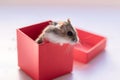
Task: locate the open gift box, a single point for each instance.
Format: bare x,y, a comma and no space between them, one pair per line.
90,46
42,61
47,60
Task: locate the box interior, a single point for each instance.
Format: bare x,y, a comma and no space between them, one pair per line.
87,40
33,31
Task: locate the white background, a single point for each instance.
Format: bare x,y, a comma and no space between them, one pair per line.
103,19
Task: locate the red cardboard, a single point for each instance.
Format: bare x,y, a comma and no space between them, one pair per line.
42,61
90,46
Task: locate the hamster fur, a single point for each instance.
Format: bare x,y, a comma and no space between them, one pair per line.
59,32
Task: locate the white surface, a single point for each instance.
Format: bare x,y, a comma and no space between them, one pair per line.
103,21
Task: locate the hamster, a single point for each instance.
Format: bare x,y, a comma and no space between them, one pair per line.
59,32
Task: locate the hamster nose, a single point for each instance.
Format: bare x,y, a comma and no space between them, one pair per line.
74,39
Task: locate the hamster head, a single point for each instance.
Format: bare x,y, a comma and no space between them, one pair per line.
65,32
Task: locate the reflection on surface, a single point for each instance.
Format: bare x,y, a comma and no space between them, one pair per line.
68,76
23,76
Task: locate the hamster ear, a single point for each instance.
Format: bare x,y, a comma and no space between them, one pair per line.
53,23
68,20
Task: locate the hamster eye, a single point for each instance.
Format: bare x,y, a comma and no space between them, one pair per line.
69,33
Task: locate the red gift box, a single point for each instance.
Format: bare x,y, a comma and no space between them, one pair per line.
90,46
42,61
47,61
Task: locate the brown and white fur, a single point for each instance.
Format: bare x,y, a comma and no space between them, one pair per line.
59,32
